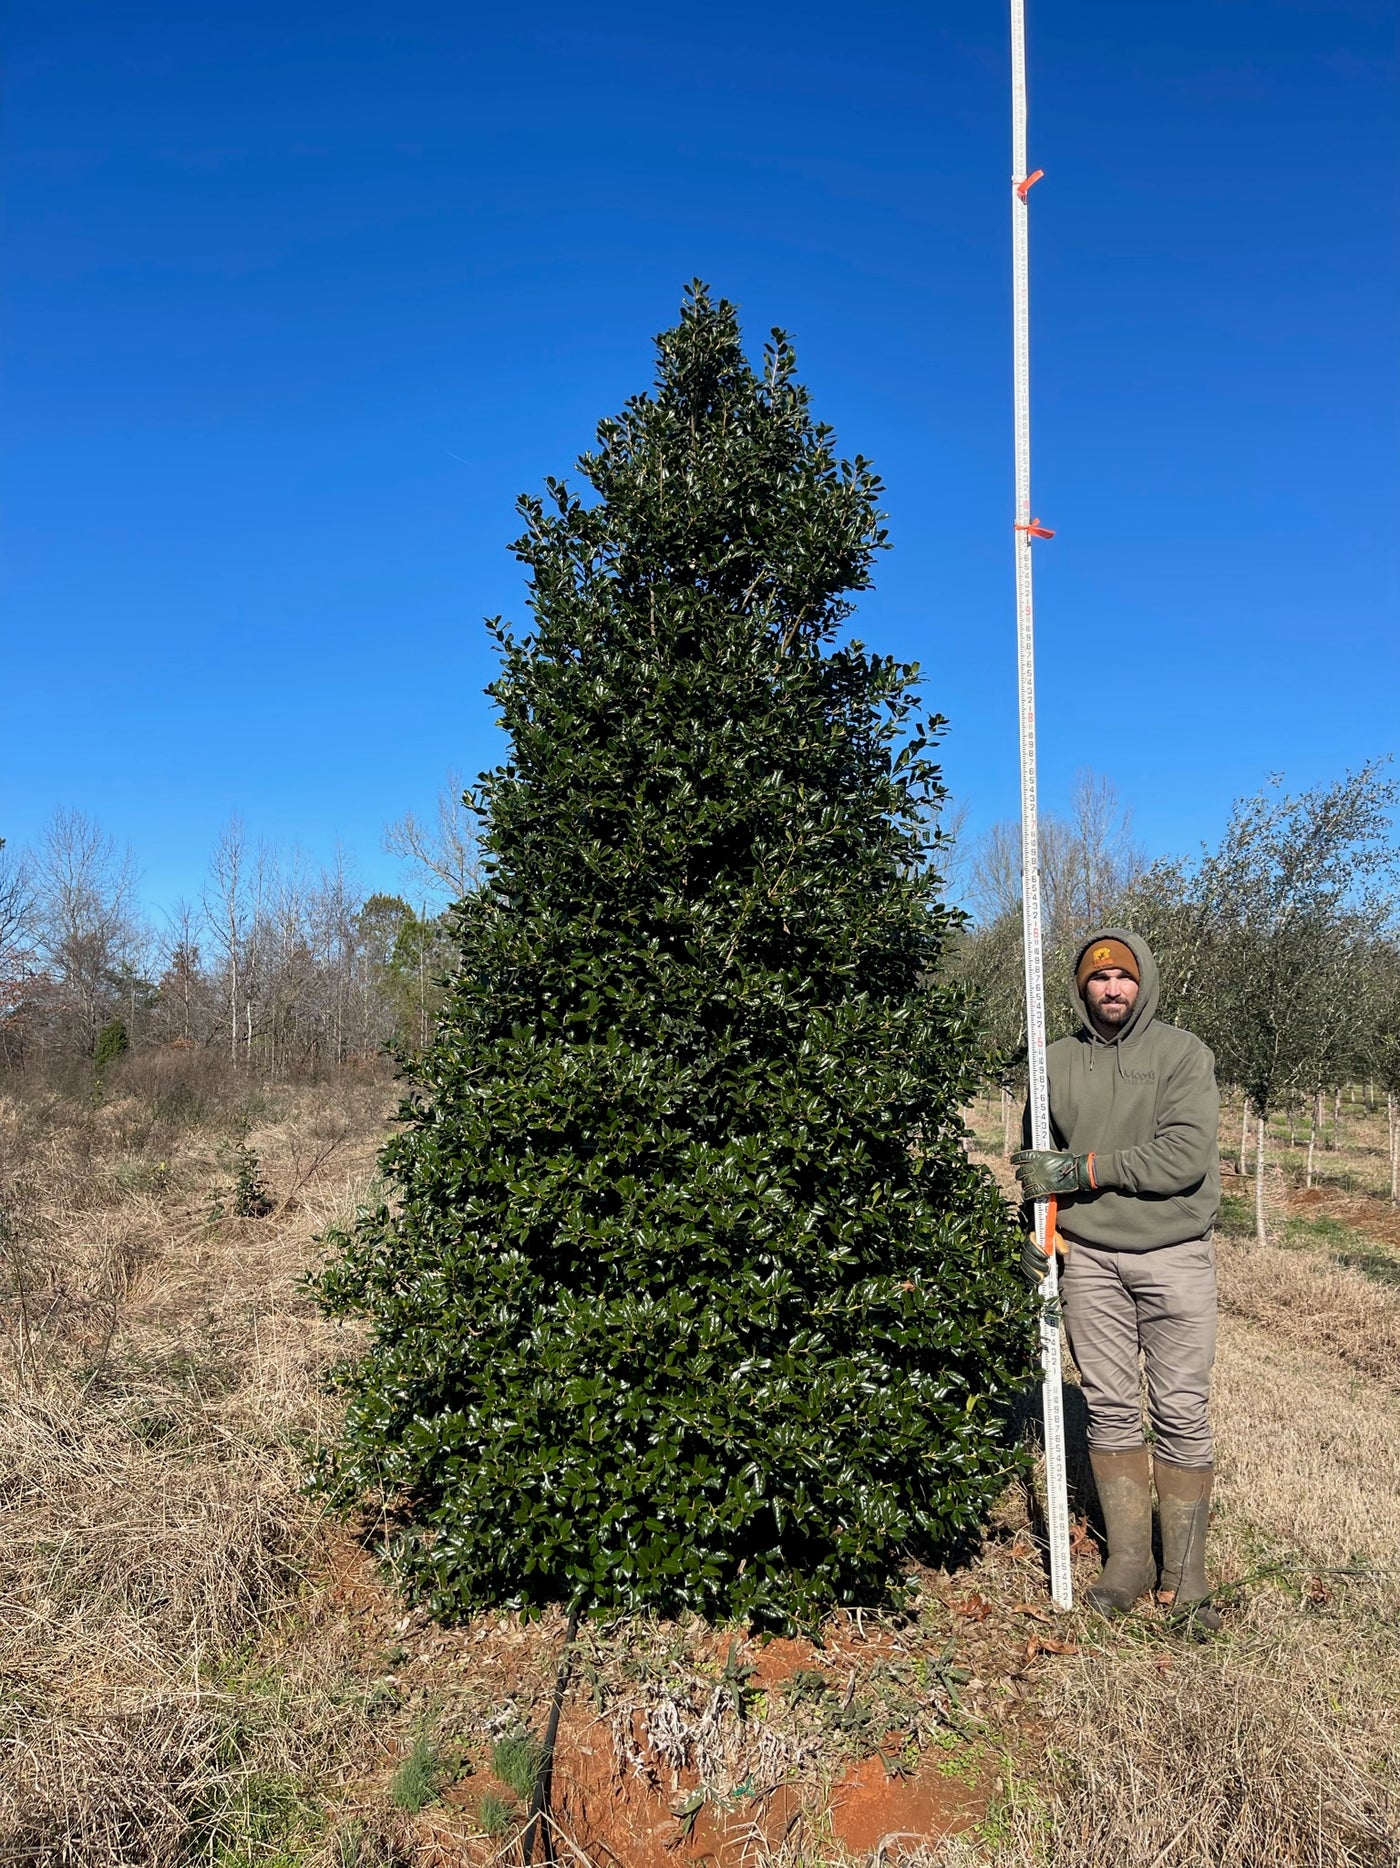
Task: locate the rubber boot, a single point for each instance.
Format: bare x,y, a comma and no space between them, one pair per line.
1183,1511
1125,1493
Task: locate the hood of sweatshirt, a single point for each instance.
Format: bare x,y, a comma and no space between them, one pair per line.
1149,986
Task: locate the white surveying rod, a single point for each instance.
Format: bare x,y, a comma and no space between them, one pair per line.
1027,529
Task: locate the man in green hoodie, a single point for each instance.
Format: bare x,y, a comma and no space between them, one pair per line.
1134,1111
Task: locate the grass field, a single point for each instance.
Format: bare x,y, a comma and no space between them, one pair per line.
197,1668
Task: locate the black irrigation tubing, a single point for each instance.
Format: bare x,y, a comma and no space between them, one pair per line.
539,1801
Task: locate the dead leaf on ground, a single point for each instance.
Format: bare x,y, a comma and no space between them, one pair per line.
974,1606
1047,1644
1036,1613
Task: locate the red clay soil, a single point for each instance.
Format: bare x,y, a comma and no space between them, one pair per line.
609,1819
617,1813
869,1807
654,1819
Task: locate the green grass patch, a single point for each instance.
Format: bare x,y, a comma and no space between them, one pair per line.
360,1846
494,1814
418,1780
516,1760
1332,1234
1346,1247
264,1822
1236,1215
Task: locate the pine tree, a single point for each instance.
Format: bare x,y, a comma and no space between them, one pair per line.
113,1042
689,1296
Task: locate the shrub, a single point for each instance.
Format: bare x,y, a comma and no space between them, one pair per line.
181,1085
690,1296
249,1197
112,1043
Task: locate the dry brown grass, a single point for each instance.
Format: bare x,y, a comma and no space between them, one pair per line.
1307,1453
158,1373
1265,1749
193,1669
1303,1299
118,1788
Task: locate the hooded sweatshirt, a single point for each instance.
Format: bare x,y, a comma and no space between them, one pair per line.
1145,1105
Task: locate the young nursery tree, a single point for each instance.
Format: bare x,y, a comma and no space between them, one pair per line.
689,1296
1265,942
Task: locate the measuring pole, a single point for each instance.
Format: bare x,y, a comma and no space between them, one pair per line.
1026,530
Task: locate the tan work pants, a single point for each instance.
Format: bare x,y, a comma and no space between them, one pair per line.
1160,1303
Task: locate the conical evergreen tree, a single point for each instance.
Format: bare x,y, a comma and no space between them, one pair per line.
689,1296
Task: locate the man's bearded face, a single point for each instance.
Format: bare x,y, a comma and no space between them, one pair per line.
1110,995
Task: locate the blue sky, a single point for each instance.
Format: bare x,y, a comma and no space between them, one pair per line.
299,298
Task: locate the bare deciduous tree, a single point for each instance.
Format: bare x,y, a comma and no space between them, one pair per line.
1104,859
16,916
183,990
443,855
232,901
85,925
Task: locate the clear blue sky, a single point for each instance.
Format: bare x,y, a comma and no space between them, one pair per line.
300,296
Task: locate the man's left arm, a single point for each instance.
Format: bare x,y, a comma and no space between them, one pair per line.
1178,1157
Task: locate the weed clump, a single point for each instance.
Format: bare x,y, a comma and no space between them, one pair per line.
494,1814
419,1777
516,1760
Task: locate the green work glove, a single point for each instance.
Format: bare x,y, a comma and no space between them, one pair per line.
1033,1260
1043,1171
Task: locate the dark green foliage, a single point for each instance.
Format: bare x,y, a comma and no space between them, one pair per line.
249,1197
690,1296
112,1043
1273,947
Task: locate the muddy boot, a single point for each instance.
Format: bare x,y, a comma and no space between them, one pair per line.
1125,1493
1183,1511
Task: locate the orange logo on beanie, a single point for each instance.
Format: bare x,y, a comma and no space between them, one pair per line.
1106,953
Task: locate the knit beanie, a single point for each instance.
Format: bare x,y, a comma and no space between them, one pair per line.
1102,953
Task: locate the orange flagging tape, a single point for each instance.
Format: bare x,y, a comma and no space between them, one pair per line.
1035,528
1052,1220
1024,188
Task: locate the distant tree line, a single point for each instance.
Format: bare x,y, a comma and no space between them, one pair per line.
280,967
1280,947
